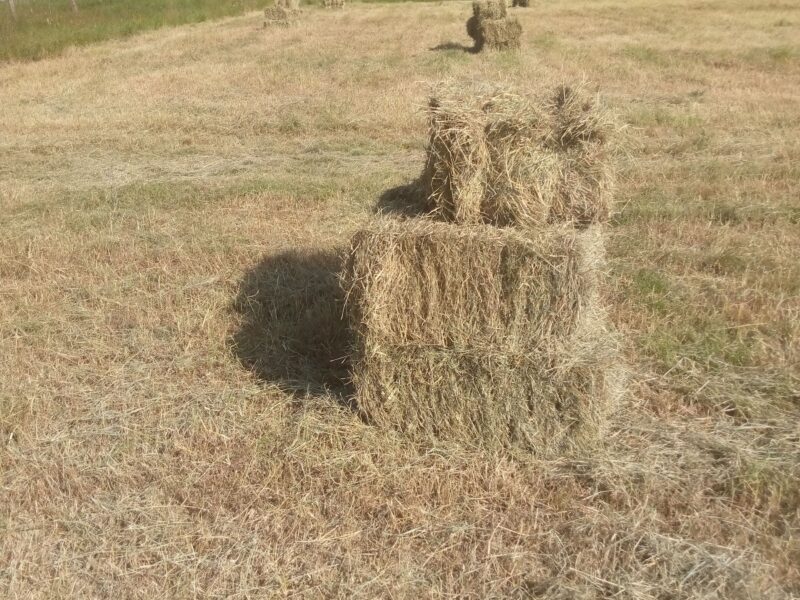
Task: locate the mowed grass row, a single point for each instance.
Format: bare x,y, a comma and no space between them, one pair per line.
172,208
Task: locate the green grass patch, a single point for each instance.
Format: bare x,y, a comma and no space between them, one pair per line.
705,341
675,117
46,27
772,55
725,263
647,282
546,41
645,55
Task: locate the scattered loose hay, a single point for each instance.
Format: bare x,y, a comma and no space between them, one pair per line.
496,156
285,12
481,335
490,27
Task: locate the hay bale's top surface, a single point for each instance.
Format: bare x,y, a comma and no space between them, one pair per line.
469,288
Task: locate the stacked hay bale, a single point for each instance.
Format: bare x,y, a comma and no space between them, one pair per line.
481,335
285,12
495,156
491,27
485,324
333,3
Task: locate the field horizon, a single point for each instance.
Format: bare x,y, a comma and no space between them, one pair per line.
175,415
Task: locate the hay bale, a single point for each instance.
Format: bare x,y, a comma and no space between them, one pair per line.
498,157
484,159
577,118
581,135
491,28
585,188
333,3
279,16
285,12
481,335
489,9
501,34
521,3
500,288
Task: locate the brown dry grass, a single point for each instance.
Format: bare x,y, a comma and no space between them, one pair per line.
147,185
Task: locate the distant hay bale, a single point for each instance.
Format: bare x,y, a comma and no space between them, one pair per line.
521,3
490,27
481,335
279,16
498,157
489,9
333,3
285,12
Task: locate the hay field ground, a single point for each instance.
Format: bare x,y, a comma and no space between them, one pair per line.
172,418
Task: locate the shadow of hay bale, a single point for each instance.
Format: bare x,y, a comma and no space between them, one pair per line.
292,332
455,46
405,201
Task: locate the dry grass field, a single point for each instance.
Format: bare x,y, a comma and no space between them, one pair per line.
173,422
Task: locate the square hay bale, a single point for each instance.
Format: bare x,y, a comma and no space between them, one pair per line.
491,28
468,286
333,3
491,402
499,34
481,335
521,3
285,12
489,9
500,157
